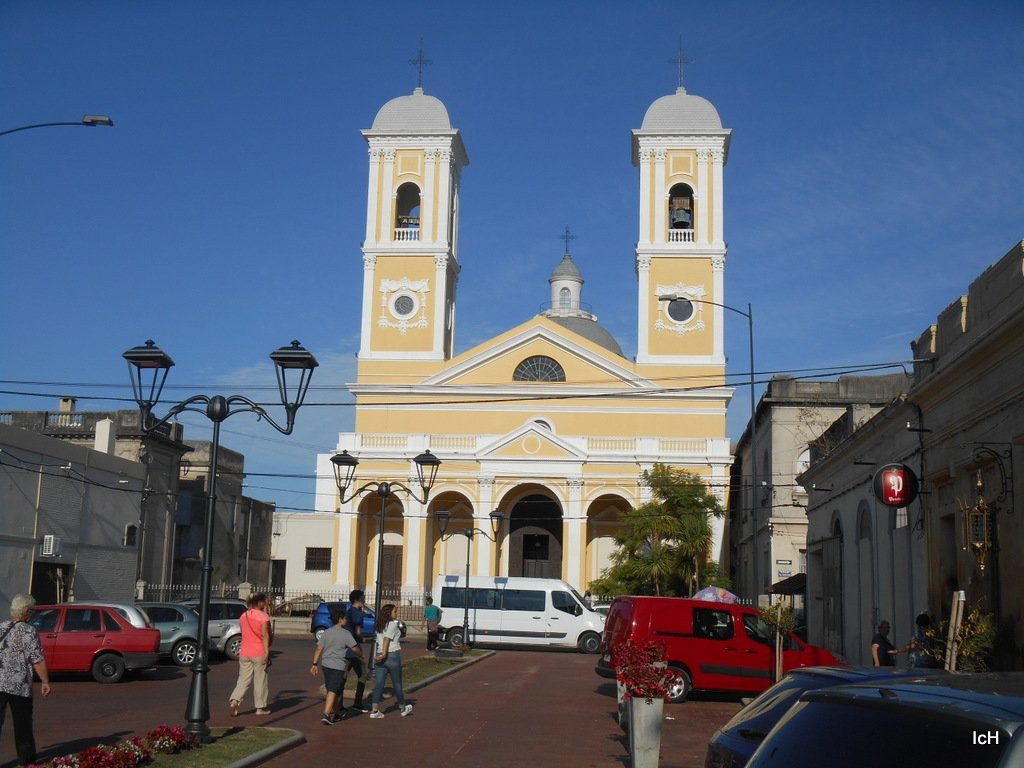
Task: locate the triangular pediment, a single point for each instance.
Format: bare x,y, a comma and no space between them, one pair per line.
531,441
492,362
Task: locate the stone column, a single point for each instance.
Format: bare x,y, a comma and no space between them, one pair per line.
717,163
660,199
706,200
644,163
574,530
430,202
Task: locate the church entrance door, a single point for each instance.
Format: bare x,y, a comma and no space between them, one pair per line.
535,538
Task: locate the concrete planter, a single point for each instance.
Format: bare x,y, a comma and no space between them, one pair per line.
645,731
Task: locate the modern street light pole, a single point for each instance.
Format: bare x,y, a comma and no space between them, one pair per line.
681,311
344,472
87,120
150,362
444,517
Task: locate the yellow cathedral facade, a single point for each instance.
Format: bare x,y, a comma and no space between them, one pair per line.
548,423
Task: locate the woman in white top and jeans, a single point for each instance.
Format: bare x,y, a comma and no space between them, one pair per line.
387,660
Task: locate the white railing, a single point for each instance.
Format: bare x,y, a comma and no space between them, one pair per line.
407,234
698,445
459,443
680,235
470,444
612,444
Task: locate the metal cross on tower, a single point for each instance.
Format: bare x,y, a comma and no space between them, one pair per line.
680,61
567,236
419,62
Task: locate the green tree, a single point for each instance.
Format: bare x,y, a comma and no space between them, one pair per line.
663,546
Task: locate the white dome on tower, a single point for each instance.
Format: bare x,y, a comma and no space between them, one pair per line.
416,113
681,112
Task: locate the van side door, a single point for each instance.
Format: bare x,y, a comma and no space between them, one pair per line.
524,617
728,658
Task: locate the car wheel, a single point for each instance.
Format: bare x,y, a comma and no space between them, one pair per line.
108,668
681,687
233,648
456,637
590,642
319,633
184,652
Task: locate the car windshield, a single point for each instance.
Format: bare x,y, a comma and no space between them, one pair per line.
877,736
758,717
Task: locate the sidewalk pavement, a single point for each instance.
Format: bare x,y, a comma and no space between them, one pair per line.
511,709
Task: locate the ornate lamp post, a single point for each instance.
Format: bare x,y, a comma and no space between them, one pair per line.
344,472
87,120
444,516
681,306
148,366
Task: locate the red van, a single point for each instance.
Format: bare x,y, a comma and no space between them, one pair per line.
715,646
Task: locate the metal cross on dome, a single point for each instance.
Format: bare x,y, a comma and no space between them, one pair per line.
420,62
567,236
680,61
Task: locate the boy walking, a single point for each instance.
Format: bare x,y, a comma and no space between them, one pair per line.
330,653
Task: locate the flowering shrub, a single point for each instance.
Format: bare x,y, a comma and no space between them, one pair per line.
640,667
168,740
130,753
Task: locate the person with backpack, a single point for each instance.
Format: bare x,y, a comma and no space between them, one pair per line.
355,657
387,660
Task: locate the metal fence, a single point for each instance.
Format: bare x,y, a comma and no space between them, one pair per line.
291,602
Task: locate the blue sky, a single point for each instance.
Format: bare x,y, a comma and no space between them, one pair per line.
876,168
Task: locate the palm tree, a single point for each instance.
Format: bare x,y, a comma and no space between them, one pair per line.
664,544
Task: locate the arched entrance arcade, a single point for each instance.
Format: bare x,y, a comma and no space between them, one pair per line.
604,515
534,541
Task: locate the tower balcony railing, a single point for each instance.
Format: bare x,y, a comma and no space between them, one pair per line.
680,235
407,234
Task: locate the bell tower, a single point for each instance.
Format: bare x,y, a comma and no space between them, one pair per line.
680,151
410,251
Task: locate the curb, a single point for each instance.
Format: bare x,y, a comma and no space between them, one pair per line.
455,668
272,751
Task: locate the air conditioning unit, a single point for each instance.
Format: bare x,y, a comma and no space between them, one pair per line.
51,546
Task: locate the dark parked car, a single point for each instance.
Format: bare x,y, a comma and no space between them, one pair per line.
974,720
734,743
86,637
179,630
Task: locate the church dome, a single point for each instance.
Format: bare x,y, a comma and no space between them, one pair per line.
681,112
416,113
589,329
566,270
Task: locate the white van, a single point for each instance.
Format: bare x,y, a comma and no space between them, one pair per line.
510,610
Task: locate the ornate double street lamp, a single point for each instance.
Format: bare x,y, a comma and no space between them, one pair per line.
444,517
680,307
88,120
148,366
344,472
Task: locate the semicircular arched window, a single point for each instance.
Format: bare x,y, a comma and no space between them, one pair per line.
539,368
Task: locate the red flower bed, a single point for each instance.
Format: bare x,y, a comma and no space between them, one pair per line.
128,753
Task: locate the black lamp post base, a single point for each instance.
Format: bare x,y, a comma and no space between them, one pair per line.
198,711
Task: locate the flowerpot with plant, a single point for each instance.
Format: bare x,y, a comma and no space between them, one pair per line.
644,680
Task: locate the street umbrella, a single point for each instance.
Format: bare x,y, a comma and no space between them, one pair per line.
715,595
